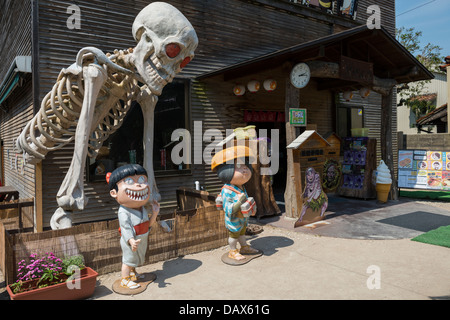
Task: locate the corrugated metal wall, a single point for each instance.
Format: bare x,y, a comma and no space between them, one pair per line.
372,105
226,35
17,174
230,31
372,117
15,32
15,40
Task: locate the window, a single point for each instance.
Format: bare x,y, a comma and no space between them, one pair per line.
126,144
349,118
171,113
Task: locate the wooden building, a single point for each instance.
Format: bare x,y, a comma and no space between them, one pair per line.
239,41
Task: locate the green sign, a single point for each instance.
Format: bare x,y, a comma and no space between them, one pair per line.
297,117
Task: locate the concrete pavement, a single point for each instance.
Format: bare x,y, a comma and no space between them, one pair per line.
308,263
364,252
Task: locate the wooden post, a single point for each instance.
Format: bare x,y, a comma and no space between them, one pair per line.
386,139
291,206
39,219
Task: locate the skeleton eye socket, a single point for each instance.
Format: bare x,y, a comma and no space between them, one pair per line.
173,50
185,62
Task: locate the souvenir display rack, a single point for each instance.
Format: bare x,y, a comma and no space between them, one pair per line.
358,168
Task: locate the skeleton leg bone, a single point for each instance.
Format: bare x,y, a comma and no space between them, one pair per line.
70,196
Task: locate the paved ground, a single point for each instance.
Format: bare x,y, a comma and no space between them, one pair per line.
365,252
334,261
357,219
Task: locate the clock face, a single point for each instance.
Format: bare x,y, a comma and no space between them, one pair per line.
300,75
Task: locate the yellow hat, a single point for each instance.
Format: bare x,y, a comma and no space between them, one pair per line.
231,153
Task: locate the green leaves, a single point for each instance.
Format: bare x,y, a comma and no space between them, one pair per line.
430,56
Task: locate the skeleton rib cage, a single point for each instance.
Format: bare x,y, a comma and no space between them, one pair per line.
53,127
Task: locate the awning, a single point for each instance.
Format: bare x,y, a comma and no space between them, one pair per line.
389,58
21,64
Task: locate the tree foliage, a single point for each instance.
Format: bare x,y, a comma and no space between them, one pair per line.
430,56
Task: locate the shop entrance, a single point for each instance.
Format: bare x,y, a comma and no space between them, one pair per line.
279,178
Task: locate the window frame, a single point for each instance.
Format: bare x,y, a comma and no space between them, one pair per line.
93,178
349,118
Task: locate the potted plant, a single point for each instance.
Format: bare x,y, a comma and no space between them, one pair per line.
51,278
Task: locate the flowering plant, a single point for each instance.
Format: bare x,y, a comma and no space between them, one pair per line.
46,270
38,266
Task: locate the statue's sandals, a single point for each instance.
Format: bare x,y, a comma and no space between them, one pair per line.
234,254
136,276
128,283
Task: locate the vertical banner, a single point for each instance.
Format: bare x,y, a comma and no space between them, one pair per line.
347,8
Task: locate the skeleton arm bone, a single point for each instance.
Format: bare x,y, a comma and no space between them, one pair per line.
148,101
71,194
101,59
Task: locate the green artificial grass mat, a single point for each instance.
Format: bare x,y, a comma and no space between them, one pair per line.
424,194
438,237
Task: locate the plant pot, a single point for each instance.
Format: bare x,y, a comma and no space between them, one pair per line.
60,291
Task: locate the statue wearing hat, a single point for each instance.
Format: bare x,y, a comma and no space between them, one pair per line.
233,168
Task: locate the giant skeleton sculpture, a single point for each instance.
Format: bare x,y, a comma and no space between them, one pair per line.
92,97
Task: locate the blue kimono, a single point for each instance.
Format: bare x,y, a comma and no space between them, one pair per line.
230,195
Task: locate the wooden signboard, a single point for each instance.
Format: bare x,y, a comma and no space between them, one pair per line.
308,152
333,152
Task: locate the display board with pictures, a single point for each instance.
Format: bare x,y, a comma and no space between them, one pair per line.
422,169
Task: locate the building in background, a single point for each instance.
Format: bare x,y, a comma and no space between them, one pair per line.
239,41
436,93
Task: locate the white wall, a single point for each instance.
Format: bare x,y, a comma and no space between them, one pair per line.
405,117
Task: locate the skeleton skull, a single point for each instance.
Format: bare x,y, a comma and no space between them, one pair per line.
166,44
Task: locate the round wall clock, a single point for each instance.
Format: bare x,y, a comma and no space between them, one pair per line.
300,75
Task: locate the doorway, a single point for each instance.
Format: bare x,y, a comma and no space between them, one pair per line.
349,118
279,128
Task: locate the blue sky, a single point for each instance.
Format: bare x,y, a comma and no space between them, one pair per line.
432,18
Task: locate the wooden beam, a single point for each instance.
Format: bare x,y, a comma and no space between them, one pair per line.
380,52
387,154
330,70
39,220
292,205
323,69
336,85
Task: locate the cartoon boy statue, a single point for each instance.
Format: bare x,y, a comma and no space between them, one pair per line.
233,169
129,186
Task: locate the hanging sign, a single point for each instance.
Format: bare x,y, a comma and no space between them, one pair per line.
297,117
263,116
348,8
